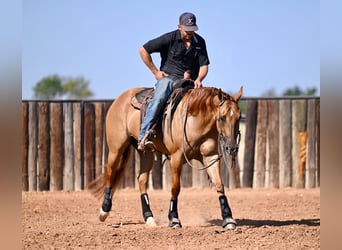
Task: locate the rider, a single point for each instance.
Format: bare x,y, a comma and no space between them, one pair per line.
182,52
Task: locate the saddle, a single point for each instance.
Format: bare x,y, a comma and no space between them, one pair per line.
141,99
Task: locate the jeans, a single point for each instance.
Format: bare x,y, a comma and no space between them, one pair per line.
162,93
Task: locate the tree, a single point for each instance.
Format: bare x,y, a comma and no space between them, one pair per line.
55,87
76,88
297,91
48,88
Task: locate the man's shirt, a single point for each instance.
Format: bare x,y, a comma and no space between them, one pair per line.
175,57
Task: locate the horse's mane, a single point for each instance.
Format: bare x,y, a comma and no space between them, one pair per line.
202,99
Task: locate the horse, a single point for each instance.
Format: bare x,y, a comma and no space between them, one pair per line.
204,126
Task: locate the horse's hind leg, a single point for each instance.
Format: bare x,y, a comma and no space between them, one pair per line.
114,172
226,212
146,161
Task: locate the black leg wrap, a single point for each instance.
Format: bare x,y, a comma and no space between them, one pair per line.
107,202
174,221
225,209
173,211
145,204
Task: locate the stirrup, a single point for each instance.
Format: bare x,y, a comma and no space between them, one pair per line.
146,140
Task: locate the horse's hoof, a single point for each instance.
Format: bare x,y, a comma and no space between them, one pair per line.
103,215
229,223
151,222
175,223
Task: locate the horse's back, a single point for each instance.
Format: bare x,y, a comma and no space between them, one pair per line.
122,119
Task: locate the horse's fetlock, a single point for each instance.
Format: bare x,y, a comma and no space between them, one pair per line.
107,202
173,211
225,209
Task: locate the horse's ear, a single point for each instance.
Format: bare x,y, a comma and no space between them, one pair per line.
238,95
221,95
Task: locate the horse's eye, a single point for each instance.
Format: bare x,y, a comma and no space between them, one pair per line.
221,118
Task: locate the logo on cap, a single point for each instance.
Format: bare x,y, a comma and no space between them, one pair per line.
190,21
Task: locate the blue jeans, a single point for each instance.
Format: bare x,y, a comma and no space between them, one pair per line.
162,93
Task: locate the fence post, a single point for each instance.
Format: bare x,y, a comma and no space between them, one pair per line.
248,165
43,146
99,121
24,146
77,131
157,171
299,111
33,149
89,142
68,173
311,145
285,143
273,143
129,175
318,143
56,148
260,158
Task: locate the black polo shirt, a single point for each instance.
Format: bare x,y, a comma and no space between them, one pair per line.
175,57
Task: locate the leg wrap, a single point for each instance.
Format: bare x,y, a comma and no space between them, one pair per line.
173,211
107,202
225,209
145,204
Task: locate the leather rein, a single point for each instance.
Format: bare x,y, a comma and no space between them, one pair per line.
222,145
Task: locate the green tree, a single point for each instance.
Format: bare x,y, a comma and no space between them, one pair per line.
297,91
48,88
55,87
76,88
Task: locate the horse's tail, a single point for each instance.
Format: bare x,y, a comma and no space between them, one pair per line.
97,186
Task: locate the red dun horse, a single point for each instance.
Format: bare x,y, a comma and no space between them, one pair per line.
205,127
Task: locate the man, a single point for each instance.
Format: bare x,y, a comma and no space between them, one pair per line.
183,55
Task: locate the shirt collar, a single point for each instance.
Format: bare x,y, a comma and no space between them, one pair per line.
194,37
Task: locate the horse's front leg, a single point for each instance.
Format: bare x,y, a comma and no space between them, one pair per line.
176,168
214,174
146,161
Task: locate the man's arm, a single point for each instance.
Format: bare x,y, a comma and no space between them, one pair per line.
147,59
203,71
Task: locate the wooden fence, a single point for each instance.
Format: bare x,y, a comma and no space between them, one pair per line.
64,147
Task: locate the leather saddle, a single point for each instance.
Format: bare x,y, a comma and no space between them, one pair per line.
141,99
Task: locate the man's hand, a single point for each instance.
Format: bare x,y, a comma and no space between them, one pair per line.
160,74
198,84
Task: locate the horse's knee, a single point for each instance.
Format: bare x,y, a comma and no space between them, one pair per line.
142,181
219,188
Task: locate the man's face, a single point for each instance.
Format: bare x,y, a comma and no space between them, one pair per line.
186,35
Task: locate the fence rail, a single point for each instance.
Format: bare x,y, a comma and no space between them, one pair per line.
64,146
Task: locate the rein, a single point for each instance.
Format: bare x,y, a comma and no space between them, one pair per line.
186,139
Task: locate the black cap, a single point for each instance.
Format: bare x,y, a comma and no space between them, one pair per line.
188,21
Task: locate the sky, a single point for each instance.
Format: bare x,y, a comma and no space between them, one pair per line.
261,45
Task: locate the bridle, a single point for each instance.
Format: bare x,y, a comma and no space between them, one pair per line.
223,145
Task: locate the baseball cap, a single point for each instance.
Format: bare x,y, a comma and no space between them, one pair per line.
188,21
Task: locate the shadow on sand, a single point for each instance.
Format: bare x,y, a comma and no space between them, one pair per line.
274,223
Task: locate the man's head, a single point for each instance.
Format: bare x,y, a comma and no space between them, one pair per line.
187,21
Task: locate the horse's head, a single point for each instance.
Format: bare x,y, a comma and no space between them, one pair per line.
228,119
